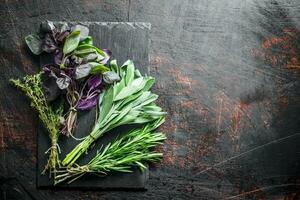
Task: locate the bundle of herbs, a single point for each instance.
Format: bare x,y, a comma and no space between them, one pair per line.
133,149
83,77
31,85
126,102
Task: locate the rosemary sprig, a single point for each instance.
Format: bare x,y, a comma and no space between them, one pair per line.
130,150
31,85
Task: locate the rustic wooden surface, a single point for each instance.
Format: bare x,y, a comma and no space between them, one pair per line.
228,74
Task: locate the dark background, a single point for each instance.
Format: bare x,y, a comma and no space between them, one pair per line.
227,73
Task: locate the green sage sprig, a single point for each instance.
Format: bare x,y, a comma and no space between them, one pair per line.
31,85
133,149
126,102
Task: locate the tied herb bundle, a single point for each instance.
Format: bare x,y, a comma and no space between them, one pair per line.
132,149
126,102
31,85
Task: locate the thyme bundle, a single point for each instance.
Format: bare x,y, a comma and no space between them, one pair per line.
31,85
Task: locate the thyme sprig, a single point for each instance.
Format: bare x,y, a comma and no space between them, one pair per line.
31,85
132,149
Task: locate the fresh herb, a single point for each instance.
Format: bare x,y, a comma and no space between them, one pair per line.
133,149
34,43
125,102
31,85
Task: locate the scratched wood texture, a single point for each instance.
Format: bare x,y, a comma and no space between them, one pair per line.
228,75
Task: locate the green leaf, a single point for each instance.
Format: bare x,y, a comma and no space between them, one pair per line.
149,83
84,51
84,46
88,40
114,67
129,73
82,70
98,68
107,103
34,43
84,31
110,77
71,42
126,92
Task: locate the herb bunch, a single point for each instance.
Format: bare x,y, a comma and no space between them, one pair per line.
126,102
133,149
77,68
31,85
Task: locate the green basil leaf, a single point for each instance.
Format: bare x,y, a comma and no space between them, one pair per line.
88,40
71,42
34,43
83,46
98,68
84,31
84,51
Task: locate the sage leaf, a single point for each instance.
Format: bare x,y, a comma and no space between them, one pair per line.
34,43
71,42
107,103
129,73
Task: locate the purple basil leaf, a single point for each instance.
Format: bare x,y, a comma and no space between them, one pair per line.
63,82
94,82
47,26
86,104
108,55
49,44
58,57
77,60
50,88
83,70
46,70
62,36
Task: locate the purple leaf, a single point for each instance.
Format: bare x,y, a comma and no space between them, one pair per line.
94,82
58,57
63,82
108,55
86,104
83,70
47,26
49,45
62,36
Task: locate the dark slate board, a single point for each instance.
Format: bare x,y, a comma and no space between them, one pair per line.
127,41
